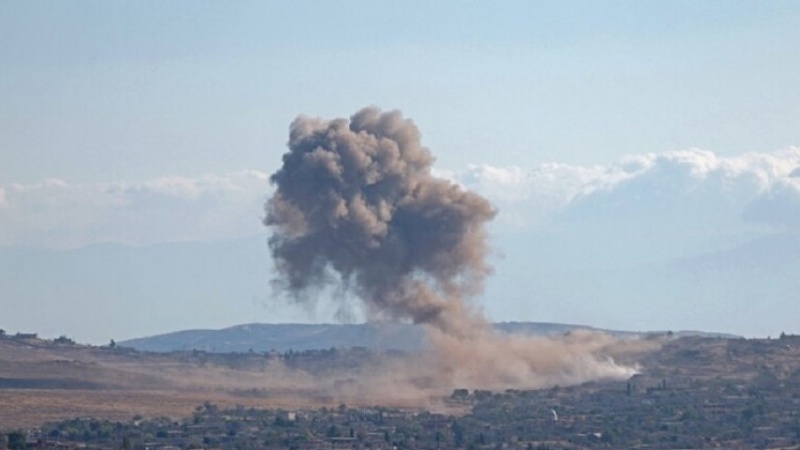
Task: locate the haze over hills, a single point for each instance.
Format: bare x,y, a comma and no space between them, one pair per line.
259,337
747,289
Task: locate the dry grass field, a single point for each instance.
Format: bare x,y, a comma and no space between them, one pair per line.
43,381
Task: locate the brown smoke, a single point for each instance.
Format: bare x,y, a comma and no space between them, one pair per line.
358,197
356,206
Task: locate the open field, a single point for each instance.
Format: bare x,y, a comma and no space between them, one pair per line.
43,381
25,408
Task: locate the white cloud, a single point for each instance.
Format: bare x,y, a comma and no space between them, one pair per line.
526,197
681,193
678,189
683,189
55,213
779,206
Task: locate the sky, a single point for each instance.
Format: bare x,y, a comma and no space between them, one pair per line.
612,136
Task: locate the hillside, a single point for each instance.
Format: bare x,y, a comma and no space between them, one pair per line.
694,392
260,337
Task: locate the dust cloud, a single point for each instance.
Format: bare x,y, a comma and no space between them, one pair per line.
357,209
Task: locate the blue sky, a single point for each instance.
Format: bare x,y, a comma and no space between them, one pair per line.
141,123
105,91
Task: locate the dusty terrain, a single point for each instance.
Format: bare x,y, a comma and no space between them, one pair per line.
42,380
693,392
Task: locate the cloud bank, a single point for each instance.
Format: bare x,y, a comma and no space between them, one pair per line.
673,189
685,194
59,214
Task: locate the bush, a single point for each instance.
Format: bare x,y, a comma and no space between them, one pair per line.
17,440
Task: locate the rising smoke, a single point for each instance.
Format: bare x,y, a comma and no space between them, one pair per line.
356,206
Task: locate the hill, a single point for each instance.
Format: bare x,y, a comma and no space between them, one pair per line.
693,392
260,337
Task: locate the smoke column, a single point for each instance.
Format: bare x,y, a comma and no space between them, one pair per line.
356,206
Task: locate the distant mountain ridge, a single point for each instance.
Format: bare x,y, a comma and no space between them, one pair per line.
262,337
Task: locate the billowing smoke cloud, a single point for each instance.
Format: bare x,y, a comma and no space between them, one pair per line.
356,205
358,197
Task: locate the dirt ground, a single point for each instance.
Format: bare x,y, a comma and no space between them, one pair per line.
41,382
26,408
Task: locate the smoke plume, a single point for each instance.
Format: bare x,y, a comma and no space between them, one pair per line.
356,206
356,198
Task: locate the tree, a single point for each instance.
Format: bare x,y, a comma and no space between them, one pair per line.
333,431
63,339
17,440
458,433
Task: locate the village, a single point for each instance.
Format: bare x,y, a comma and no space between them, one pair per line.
697,393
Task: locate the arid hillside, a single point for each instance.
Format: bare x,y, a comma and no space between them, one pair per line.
46,380
43,380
